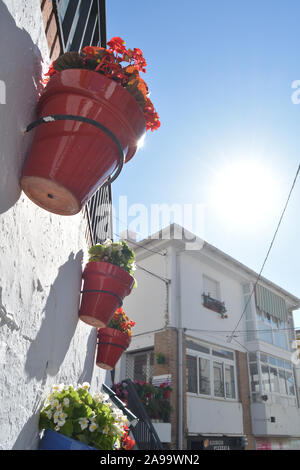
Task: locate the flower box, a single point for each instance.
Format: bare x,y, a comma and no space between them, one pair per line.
214,304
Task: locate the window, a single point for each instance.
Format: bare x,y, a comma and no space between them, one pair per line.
191,374
204,376
272,377
210,371
139,366
211,287
272,330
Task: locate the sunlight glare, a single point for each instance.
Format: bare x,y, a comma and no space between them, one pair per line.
245,193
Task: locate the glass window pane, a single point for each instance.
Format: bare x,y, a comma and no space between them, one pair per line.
263,358
265,378
190,344
252,357
287,365
229,381
290,383
265,332
280,362
254,378
272,361
191,374
274,380
282,382
218,380
223,353
204,376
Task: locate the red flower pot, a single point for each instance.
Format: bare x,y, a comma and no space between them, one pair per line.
105,286
69,160
111,345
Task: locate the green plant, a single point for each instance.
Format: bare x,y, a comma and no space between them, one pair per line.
117,253
92,420
160,358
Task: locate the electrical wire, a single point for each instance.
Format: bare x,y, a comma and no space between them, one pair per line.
268,252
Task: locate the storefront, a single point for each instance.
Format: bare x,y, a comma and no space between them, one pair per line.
277,443
216,443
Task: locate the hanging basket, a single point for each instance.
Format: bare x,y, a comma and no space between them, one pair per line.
105,286
52,440
88,126
111,345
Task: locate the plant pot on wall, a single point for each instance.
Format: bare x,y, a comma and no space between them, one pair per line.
70,159
105,286
52,440
111,345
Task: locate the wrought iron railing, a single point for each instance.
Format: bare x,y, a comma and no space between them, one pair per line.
144,433
83,23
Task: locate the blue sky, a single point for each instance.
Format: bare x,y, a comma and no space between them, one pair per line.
220,75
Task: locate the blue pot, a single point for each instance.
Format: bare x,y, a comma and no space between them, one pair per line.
53,440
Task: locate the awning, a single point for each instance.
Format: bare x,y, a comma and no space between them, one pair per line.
270,303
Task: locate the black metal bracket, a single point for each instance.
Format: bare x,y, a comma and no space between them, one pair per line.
71,117
105,292
112,344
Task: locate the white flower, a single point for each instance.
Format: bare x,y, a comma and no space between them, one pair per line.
101,397
85,385
105,430
61,422
48,413
56,416
107,242
55,388
57,428
63,416
54,403
83,423
93,427
66,402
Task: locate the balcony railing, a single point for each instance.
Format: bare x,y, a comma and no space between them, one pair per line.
83,23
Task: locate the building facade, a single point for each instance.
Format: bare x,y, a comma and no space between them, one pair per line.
227,342
42,254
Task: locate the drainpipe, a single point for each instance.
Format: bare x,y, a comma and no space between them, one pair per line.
178,319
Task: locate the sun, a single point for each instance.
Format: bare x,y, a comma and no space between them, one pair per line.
245,192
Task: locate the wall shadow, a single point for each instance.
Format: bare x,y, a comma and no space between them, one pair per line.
20,77
47,352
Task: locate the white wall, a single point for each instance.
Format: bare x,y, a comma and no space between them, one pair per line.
197,317
147,304
214,416
42,342
287,420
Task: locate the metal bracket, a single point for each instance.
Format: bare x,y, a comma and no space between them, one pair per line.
105,292
71,117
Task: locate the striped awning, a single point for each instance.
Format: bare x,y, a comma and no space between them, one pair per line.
270,303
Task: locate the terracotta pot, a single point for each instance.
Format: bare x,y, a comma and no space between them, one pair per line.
69,160
105,286
111,345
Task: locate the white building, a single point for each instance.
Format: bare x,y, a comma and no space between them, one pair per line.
225,386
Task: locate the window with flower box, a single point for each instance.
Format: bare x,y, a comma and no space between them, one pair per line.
210,371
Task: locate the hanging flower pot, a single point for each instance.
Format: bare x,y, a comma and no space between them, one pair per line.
91,116
114,340
111,345
106,284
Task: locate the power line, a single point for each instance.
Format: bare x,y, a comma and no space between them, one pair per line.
140,246
268,252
